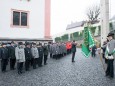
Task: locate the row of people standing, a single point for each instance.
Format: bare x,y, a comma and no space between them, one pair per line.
57,50
30,54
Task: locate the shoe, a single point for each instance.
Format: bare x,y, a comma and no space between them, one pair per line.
45,63
19,72
27,70
73,61
34,68
111,77
106,74
40,65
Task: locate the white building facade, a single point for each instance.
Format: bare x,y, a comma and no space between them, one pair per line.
25,19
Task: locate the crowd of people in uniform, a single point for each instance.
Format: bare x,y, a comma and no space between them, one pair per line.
58,50
31,55
28,55
34,55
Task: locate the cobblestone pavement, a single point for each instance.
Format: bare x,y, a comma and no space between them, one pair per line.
62,72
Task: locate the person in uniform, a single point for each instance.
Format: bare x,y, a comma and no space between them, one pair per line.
35,55
50,49
45,51
20,57
28,56
0,51
12,56
4,57
110,55
104,50
53,51
56,51
40,50
73,50
65,50
59,50
94,51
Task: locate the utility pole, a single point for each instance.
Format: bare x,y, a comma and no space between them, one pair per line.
104,20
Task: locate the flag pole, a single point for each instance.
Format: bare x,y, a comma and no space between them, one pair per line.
101,59
104,24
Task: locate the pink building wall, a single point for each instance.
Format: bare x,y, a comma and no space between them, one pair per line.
47,18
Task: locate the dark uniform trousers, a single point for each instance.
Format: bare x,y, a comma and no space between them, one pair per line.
35,62
27,64
12,57
20,67
12,63
28,57
110,68
4,59
50,55
45,58
73,56
40,61
4,64
93,54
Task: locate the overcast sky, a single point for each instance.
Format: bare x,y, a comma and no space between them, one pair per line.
63,12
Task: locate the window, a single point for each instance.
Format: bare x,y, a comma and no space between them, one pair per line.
24,19
19,18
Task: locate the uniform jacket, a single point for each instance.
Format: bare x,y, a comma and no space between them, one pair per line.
28,53
55,49
51,48
40,50
94,48
12,52
0,52
35,53
4,53
45,50
73,47
20,54
111,47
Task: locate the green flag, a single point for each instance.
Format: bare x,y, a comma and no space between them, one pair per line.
88,42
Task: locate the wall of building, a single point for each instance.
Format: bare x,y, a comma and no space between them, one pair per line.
36,10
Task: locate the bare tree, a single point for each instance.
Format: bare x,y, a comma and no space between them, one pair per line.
93,13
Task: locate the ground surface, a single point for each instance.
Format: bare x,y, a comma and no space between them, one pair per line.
84,72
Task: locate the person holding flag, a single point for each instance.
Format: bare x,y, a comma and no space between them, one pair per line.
88,42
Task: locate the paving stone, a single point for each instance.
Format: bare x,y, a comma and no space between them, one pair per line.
62,72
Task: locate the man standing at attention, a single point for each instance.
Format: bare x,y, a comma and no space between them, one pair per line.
73,50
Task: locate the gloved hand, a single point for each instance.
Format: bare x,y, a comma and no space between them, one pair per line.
17,60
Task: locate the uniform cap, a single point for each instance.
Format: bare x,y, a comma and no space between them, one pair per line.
110,34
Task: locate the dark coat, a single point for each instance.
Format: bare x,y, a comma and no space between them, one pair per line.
0,53
73,48
94,48
28,53
12,52
40,50
45,50
4,53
